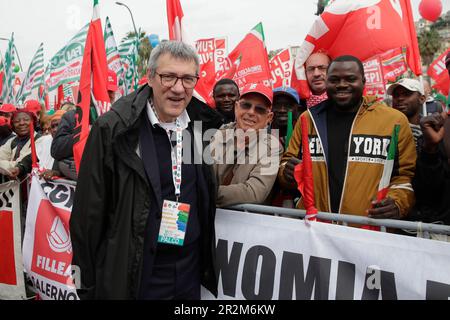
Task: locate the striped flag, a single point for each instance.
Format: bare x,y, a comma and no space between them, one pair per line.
7,95
128,56
112,53
65,66
33,79
93,85
388,166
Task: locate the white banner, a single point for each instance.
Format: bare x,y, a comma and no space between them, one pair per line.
266,257
47,248
12,284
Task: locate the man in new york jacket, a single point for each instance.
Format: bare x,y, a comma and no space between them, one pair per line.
125,179
349,136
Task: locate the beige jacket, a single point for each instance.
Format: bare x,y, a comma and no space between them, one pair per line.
244,174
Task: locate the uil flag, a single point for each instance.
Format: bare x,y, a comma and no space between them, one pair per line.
94,75
248,62
34,78
177,28
362,28
439,74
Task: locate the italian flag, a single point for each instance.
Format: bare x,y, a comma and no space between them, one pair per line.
93,85
388,166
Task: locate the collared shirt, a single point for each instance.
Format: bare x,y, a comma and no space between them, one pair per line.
183,118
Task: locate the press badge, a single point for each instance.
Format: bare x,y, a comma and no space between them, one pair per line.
174,221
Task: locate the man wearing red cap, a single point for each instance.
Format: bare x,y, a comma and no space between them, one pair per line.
246,156
112,85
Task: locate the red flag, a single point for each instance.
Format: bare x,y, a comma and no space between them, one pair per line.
34,162
362,28
304,176
439,74
177,29
248,62
212,52
60,98
94,75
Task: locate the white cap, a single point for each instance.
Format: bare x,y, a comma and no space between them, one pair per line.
410,84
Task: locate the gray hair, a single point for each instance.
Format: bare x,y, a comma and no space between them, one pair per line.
176,49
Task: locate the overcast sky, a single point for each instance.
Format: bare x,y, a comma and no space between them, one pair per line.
54,22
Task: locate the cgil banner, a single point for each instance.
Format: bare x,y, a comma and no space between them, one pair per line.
47,248
12,285
270,258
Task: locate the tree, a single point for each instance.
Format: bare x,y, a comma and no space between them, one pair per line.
429,44
144,51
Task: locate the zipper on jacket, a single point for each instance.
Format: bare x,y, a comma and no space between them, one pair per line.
324,156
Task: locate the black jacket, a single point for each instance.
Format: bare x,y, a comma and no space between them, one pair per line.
432,187
62,144
112,203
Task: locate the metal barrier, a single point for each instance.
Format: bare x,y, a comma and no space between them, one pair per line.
346,219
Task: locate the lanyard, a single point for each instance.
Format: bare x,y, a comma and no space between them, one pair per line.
176,154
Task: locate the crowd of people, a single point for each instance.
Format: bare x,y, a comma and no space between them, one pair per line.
144,156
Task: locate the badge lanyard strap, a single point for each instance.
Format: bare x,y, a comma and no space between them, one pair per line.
177,159
176,155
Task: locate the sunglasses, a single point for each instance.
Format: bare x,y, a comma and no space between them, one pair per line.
261,110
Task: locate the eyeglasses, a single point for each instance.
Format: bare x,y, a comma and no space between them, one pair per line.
261,110
311,69
169,80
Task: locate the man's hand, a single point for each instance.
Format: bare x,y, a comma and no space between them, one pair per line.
288,172
433,131
384,209
14,173
48,174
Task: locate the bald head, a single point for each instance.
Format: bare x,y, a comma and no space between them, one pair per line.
316,71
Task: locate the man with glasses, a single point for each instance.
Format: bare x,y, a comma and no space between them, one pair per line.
246,156
316,72
142,224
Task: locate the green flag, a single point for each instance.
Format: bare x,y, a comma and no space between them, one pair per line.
33,79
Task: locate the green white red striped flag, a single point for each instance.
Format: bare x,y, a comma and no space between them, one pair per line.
94,76
112,54
128,56
33,79
388,165
65,66
7,94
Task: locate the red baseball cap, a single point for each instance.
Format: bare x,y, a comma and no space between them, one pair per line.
258,88
32,106
4,121
7,107
112,81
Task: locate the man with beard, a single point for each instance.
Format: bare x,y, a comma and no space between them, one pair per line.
316,72
349,136
226,94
